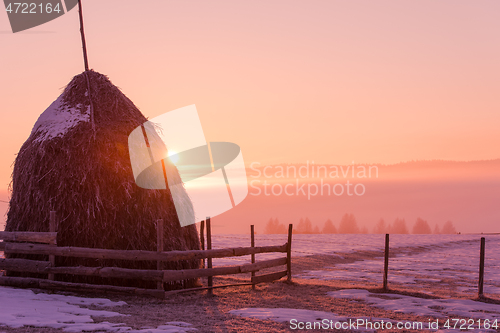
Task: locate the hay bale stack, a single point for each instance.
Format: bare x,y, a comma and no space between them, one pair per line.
76,162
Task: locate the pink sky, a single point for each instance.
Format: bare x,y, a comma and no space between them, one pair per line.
289,81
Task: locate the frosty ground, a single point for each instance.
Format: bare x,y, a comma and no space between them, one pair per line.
336,277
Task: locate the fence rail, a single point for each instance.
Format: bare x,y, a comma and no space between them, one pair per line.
137,255
11,244
35,237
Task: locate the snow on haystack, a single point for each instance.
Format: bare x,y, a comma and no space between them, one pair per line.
58,119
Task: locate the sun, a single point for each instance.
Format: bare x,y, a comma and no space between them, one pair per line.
173,156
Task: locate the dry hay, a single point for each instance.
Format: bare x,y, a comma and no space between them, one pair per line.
76,162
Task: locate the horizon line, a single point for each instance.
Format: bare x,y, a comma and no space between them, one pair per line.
379,164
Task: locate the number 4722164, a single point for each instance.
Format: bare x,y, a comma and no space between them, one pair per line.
470,324
32,8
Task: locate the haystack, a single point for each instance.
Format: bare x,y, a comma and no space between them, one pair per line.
76,162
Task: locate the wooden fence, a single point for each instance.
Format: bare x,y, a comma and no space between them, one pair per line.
480,284
44,243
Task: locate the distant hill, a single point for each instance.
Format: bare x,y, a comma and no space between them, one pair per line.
466,193
487,169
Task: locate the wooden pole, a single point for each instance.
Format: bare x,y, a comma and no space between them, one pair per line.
289,254
202,239
386,260
481,269
82,33
209,260
52,228
159,248
252,244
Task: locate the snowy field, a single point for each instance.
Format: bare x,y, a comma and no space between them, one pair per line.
337,244
445,259
477,313
403,304
448,261
456,263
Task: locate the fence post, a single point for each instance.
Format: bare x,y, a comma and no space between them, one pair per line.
289,253
386,261
252,244
209,260
159,248
481,269
52,228
202,239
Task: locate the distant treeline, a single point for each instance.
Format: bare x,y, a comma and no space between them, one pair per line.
348,225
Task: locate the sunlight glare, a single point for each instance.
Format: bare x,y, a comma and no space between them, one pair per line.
173,156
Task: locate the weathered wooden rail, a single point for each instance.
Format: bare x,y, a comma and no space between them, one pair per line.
137,255
44,243
37,237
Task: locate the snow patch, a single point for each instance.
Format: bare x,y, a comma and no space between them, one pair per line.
170,327
22,307
354,275
58,119
421,306
285,315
